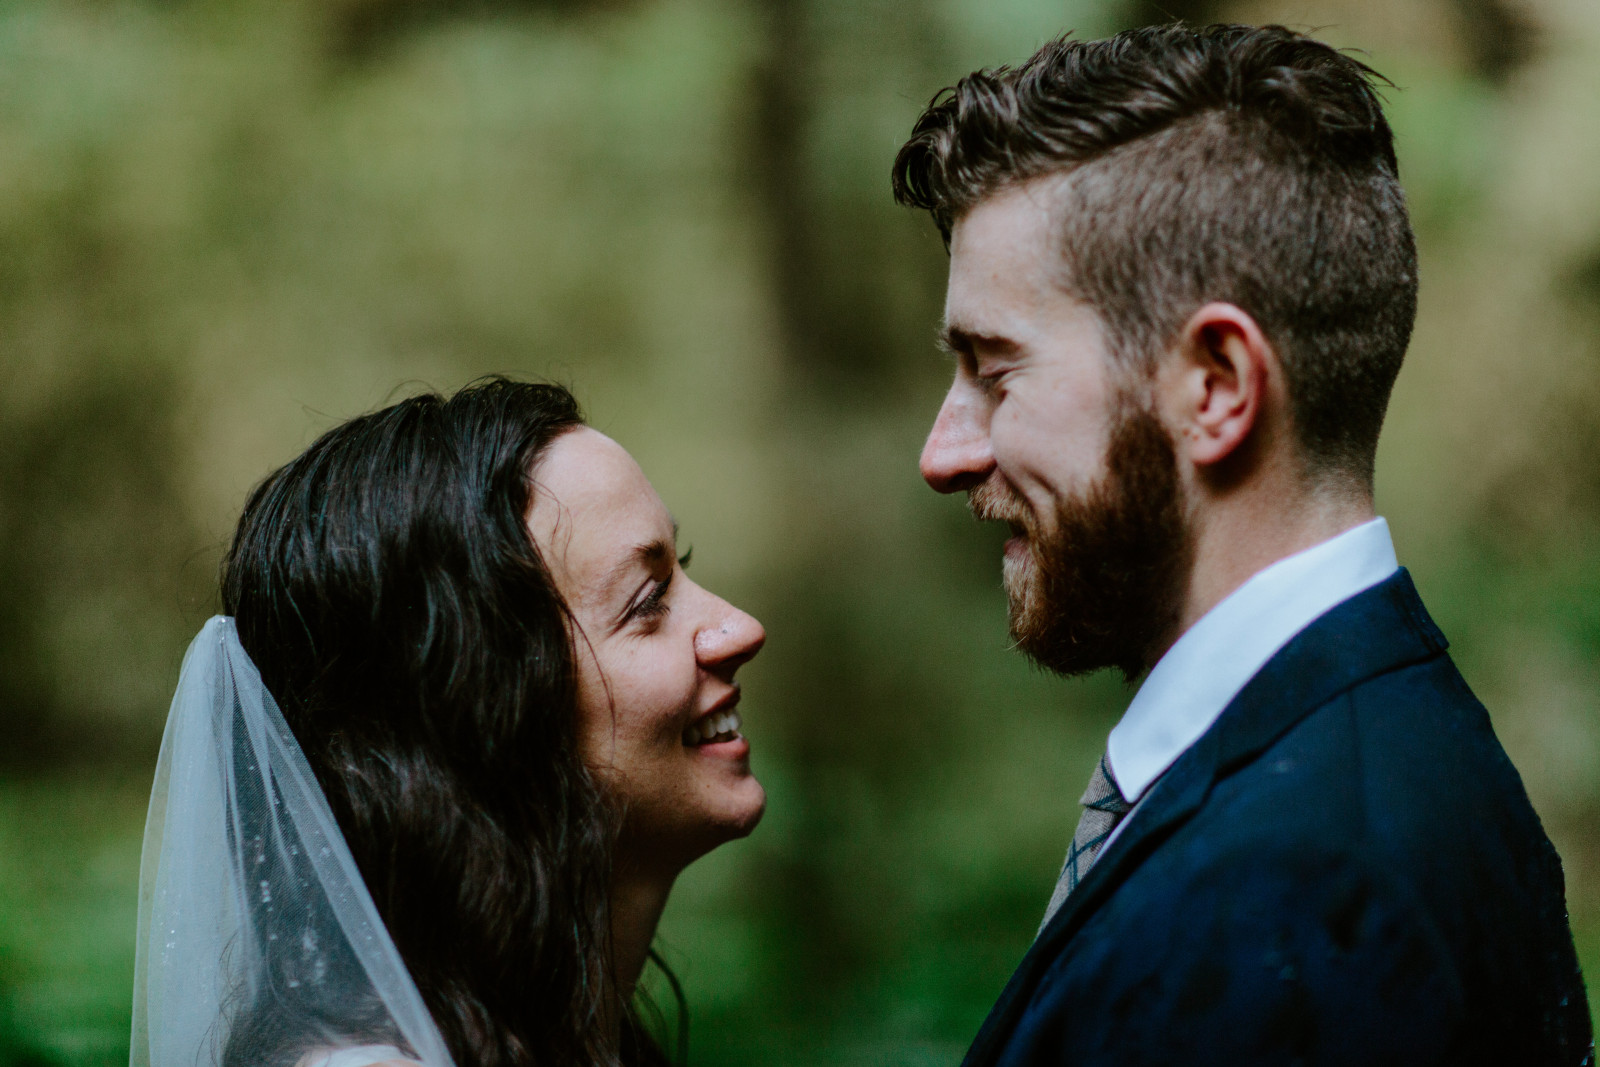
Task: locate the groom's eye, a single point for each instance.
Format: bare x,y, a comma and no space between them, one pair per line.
990,379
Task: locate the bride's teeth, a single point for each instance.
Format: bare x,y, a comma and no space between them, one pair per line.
718,726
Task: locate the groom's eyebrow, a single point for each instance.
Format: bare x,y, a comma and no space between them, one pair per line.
961,341
954,340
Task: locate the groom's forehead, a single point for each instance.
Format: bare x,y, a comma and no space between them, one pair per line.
1016,222
1008,256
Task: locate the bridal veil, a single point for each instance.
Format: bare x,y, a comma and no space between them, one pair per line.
259,945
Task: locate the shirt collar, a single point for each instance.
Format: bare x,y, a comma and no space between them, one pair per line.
1204,670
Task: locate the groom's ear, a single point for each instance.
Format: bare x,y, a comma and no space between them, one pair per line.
1221,389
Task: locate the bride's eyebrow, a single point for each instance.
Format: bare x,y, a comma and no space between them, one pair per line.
651,554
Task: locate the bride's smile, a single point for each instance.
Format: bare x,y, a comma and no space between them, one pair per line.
429,780
656,655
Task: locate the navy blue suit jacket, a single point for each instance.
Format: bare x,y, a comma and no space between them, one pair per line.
1344,869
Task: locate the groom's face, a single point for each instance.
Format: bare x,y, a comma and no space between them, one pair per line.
1046,433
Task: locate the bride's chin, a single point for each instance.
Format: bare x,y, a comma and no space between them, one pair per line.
753,811
674,847
740,818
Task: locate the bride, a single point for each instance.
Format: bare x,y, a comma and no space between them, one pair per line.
426,786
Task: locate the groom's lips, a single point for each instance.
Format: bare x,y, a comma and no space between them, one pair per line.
986,507
1017,543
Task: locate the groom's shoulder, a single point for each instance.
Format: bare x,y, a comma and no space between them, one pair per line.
1347,870
1403,770
1427,759
1376,870
1372,887
1407,747
1403,766
1394,751
1396,772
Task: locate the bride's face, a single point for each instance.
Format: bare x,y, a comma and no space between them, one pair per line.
656,655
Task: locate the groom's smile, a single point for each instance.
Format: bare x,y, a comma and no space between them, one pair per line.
1046,432
1036,388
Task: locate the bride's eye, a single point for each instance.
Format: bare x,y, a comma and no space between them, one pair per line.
654,606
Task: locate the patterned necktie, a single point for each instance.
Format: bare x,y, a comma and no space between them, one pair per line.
1103,808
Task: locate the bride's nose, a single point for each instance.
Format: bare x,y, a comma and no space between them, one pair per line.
729,638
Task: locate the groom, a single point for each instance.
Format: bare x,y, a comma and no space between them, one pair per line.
1182,280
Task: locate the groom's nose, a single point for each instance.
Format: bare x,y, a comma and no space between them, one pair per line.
957,455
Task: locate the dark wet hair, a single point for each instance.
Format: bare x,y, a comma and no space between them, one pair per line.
387,588
1244,164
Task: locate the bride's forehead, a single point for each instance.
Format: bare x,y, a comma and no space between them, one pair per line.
585,469
589,493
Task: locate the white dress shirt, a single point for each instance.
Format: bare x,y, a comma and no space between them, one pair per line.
1192,684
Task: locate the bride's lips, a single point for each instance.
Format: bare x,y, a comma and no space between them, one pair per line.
736,749
716,732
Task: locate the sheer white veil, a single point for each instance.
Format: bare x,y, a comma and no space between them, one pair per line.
259,945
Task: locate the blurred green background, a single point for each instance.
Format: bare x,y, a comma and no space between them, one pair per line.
226,225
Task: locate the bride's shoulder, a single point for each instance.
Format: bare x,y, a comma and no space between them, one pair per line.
360,1056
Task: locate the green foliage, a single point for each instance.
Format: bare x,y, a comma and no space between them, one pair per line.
69,871
1446,125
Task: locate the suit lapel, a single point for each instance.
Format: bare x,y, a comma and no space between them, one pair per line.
1378,630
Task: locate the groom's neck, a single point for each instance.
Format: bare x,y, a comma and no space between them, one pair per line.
1238,535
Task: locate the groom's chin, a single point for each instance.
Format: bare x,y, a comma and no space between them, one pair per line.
1069,641
1062,655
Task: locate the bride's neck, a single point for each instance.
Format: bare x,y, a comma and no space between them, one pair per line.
637,900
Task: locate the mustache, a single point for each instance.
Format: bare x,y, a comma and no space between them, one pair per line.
994,501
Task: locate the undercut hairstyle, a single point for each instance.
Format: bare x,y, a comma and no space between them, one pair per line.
1239,164
387,588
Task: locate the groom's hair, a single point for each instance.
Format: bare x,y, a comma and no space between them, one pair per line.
1232,163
